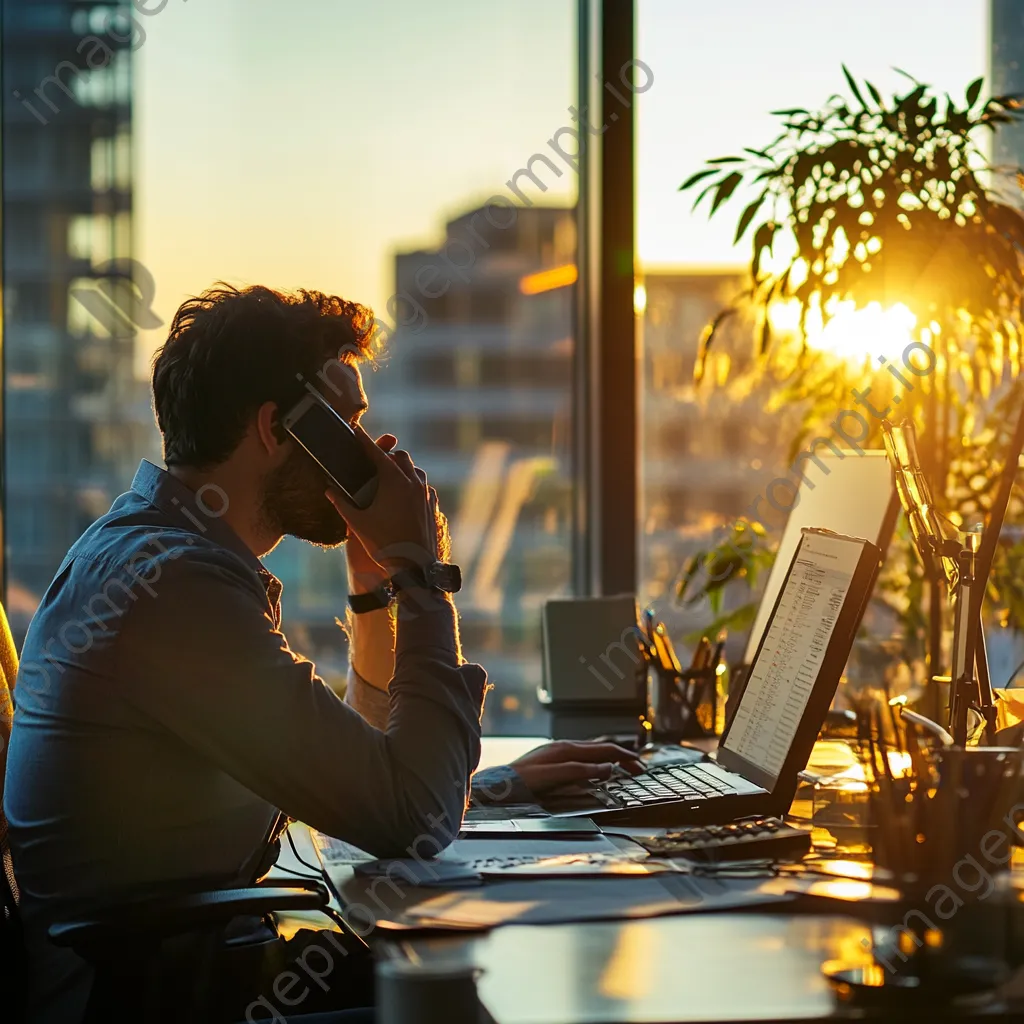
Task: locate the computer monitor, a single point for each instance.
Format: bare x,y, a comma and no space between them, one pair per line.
853,494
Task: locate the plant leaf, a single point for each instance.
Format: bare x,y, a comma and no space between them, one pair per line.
707,336
875,95
748,215
726,160
974,91
852,83
699,176
692,565
738,621
763,237
725,189
702,194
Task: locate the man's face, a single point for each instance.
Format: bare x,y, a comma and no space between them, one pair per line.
293,499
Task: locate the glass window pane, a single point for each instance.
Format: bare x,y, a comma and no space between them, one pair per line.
393,153
709,452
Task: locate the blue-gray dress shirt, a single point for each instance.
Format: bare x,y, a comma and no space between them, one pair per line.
163,724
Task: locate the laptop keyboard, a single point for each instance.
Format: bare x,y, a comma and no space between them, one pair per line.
670,782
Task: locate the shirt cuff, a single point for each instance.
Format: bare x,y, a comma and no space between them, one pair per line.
425,619
501,785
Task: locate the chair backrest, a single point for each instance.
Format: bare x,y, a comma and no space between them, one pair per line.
12,951
8,675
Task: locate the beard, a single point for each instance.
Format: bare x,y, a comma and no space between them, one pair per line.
294,502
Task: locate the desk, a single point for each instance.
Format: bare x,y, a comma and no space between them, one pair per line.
680,969
708,967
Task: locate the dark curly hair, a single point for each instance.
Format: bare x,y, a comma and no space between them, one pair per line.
230,350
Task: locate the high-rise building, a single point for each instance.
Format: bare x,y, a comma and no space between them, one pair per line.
478,384
1006,77
76,419
708,450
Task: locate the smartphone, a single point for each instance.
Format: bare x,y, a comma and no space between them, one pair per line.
334,445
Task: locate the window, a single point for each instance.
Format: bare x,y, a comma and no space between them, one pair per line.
395,153
719,70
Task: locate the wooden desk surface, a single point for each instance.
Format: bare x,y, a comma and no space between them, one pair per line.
685,969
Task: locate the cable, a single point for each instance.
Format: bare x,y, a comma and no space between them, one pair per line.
298,874
335,915
298,857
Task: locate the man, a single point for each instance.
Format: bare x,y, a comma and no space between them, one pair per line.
164,729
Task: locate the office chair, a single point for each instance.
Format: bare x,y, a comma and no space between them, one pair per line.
124,941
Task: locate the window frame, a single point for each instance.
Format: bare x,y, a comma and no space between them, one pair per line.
607,406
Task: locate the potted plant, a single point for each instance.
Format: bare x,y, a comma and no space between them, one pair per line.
886,210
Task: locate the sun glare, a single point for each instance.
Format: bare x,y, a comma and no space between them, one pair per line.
853,334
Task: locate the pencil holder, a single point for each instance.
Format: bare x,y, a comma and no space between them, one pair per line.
699,694
944,823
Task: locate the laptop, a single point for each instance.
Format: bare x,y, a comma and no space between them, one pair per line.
792,681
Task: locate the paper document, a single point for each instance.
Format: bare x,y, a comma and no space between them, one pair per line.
784,672
580,899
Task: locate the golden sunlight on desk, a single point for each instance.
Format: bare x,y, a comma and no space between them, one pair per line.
685,969
1009,707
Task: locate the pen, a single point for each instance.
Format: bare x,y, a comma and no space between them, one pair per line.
645,632
702,656
716,658
648,616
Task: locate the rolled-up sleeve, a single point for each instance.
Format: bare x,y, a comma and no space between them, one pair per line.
238,694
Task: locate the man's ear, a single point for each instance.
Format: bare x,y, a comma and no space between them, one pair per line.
268,427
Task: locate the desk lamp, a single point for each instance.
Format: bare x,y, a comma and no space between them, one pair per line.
954,560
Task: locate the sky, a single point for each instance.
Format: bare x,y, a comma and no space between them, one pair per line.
304,149
302,144
721,67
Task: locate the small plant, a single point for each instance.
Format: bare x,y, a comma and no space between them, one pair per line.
741,556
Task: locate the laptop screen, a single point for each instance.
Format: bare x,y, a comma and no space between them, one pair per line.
786,667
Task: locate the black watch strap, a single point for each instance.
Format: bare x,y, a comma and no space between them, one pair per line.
441,576
372,601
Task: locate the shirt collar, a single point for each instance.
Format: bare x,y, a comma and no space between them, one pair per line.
187,509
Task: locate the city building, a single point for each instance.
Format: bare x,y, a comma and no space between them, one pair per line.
76,418
708,448
478,383
1006,77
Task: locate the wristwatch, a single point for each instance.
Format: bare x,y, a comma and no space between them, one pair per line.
445,576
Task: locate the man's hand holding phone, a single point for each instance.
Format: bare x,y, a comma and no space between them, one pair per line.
399,529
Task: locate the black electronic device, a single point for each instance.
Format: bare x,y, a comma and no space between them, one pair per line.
333,444
769,738
746,839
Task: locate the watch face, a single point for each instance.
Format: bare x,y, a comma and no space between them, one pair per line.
445,576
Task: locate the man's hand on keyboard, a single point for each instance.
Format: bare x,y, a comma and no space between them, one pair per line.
565,764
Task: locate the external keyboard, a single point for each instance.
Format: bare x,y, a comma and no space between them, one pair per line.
746,839
666,783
